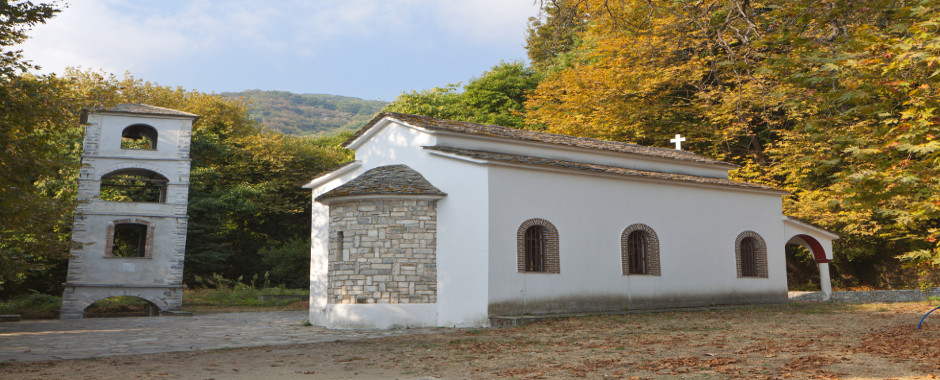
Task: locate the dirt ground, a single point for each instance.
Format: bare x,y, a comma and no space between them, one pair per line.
797,341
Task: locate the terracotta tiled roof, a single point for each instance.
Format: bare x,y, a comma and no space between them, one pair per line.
385,180
146,109
475,129
581,166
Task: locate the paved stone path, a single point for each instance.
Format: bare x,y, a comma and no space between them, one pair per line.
96,337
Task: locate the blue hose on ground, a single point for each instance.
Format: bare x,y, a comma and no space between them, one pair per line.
925,317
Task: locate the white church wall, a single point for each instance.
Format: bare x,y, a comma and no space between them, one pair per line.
696,226
461,240
581,155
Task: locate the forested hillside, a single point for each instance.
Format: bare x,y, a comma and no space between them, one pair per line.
307,114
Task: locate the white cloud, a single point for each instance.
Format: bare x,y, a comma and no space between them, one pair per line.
487,21
166,40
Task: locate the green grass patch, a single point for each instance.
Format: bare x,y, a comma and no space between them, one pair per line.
243,296
220,294
32,306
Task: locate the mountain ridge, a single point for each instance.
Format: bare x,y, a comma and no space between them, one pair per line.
308,114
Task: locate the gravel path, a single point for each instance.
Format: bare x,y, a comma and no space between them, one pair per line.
97,337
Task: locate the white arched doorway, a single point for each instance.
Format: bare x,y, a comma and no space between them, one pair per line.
819,242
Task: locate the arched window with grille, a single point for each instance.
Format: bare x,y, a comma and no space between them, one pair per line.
639,249
537,247
751,255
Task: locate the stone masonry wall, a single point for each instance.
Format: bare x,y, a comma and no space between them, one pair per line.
387,252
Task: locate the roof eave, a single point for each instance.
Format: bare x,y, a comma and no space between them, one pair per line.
796,222
355,197
332,174
484,161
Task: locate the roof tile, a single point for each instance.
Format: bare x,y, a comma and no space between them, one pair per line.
385,180
534,136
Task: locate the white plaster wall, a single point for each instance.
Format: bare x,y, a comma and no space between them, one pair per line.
461,237
581,155
168,134
696,226
97,268
319,249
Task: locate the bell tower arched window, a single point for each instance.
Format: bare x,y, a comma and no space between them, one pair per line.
139,136
133,185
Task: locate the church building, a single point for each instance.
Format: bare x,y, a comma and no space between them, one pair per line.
447,223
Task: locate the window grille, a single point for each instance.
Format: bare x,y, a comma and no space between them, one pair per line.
748,257
636,248
534,249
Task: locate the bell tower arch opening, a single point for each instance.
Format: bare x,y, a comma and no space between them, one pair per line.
139,136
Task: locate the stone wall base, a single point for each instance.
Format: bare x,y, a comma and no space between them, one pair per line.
908,295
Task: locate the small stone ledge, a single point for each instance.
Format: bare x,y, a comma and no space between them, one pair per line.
868,296
176,313
10,318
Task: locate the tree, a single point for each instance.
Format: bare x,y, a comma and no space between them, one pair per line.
496,97
38,151
833,101
35,153
16,17
556,32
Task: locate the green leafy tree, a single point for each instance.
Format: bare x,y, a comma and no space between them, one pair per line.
497,97
555,33
36,154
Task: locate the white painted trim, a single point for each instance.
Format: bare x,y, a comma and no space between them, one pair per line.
331,175
457,157
799,224
378,126
380,316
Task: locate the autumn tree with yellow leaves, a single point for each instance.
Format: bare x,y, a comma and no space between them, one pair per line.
834,101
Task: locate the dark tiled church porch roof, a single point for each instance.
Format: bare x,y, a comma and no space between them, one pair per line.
385,180
475,129
595,168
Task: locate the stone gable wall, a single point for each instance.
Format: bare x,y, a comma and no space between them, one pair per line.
387,253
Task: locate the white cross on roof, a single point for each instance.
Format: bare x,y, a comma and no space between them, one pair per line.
678,141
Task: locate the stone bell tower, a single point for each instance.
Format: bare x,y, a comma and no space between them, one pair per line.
131,219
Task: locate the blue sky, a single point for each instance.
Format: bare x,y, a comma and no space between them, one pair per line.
371,49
